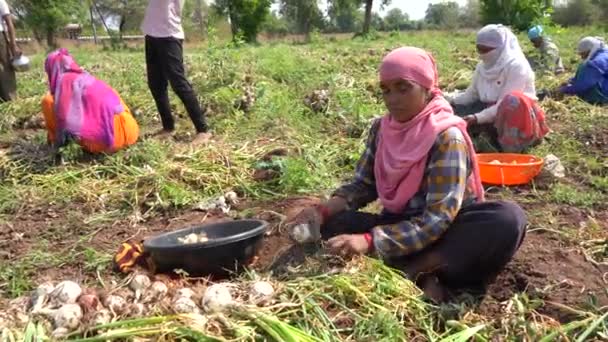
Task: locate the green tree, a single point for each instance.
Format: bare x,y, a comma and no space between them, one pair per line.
340,8
469,14
275,25
128,13
519,14
195,18
343,15
368,14
443,15
378,22
577,12
246,16
395,19
47,17
603,10
303,14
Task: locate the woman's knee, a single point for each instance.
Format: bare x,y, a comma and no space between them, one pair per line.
510,221
511,102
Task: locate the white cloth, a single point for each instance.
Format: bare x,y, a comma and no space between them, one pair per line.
501,71
591,45
4,10
550,55
163,19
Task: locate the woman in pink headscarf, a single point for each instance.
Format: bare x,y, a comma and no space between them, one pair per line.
420,163
82,108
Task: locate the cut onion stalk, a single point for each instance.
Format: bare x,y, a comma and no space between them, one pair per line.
41,296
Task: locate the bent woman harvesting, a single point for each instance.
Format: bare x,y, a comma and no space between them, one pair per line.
82,108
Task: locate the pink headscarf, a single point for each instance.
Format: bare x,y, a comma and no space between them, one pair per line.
403,147
84,106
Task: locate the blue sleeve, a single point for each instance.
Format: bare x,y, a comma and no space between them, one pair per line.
585,79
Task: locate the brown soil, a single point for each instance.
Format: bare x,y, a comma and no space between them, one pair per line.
277,244
265,175
545,267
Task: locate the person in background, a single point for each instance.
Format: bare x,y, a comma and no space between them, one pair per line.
501,100
82,108
590,82
420,162
8,51
549,58
162,26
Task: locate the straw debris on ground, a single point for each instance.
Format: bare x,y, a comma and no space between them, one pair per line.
62,219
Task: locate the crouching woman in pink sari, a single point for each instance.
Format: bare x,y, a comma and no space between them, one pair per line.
85,109
420,163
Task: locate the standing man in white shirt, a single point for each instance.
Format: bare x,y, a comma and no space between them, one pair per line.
165,65
8,51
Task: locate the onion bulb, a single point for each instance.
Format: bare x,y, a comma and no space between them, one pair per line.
68,316
60,333
156,291
185,305
185,293
261,292
115,304
66,292
217,297
232,197
302,234
88,302
139,284
103,316
136,310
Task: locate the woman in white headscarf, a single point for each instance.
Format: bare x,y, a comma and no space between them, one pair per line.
501,99
591,80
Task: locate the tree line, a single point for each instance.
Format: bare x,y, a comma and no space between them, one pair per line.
45,19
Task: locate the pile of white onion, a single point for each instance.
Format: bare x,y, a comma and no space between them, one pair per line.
68,307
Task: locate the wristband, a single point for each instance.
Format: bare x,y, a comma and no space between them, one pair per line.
370,241
324,211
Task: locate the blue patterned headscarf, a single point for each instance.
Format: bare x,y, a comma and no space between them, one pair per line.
535,32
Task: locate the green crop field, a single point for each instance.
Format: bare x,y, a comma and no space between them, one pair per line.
64,219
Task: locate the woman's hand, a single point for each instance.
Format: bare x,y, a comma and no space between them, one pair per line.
306,226
557,93
16,51
470,120
349,244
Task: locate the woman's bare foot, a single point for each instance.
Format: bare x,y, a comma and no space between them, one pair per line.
202,138
163,134
432,288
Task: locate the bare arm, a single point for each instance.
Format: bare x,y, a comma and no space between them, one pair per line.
12,39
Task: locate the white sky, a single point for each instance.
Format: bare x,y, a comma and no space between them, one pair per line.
415,8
